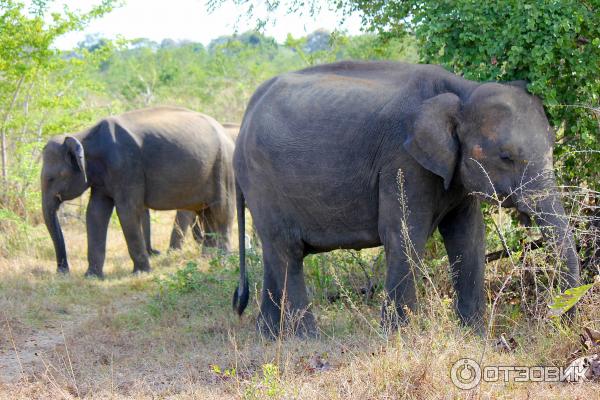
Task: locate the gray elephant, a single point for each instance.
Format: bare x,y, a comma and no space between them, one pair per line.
161,158
185,219
320,156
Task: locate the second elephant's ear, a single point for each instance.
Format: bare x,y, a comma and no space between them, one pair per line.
432,141
75,154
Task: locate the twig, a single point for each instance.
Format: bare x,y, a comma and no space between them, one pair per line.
497,255
70,363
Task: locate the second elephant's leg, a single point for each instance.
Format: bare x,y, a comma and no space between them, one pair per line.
98,214
148,234
217,229
197,230
183,219
131,222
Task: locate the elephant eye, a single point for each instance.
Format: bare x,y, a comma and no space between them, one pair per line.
505,156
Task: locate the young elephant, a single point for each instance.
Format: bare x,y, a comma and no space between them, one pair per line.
319,159
161,158
183,219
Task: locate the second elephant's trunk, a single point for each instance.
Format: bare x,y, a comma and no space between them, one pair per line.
50,208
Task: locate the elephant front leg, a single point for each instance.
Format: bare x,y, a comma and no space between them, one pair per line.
130,217
284,304
148,234
463,231
98,214
402,258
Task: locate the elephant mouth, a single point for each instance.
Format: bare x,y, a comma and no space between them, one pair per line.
507,201
523,211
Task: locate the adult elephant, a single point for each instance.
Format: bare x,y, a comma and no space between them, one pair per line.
185,219
161,158
321,153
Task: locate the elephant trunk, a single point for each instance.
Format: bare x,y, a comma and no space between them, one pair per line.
50,206
546,208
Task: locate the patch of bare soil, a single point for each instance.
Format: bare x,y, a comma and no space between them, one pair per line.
24,351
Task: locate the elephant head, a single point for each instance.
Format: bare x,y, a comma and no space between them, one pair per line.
63,178
497,143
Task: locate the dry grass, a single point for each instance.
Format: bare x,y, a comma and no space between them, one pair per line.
124,338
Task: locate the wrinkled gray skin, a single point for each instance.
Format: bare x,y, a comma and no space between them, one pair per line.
159,158
317,163
183,219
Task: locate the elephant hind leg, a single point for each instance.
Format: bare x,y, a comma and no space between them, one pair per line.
197,233
183,219
217,226
284,307
131,218
148,234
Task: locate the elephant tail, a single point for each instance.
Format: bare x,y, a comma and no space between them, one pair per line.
242,292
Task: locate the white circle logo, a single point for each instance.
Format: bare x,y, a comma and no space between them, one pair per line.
465,373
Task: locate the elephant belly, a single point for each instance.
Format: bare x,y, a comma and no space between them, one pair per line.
176,197
322,220
182,191
318,242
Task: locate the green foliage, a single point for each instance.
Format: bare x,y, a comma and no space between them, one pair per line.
357,275
186,280
45,92
16,230
341,47
267,386
37,83
563,302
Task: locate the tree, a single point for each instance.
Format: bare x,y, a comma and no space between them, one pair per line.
30,85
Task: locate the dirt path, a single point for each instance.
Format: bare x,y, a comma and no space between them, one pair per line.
24,351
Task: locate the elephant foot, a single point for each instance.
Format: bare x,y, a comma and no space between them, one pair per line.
306,328
63,270
267,328
472,318
153,252
94,274
138,269
302,326
392,318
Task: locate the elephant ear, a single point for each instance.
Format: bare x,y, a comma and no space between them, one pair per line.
75,154
432,141
522,84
